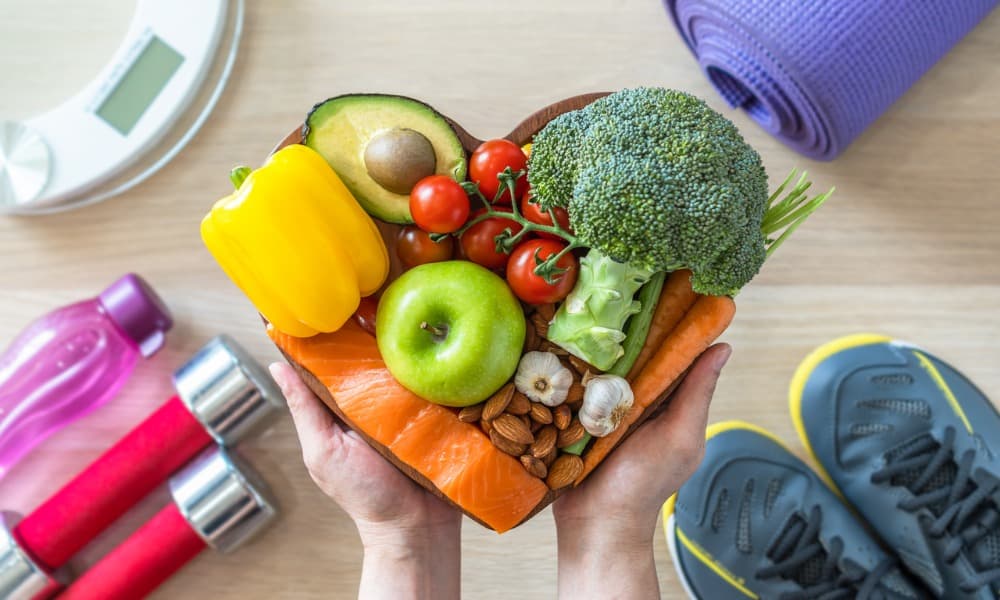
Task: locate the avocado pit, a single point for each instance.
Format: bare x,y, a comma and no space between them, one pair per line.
398,158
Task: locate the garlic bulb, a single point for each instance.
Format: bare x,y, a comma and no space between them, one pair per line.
541,377
606,401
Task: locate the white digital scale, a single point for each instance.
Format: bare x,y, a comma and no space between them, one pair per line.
141,110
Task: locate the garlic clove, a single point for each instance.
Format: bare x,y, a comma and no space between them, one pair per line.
543,378
606,401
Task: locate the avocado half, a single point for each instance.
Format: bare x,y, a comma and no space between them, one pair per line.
401,139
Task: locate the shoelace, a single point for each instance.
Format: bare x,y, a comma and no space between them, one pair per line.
800,544
954,504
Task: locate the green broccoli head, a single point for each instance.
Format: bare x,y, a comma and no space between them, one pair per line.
555,168
658,179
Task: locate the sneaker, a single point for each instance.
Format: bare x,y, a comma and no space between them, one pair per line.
755,522
912,444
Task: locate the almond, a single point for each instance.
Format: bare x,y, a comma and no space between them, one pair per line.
506,446
575,392
471,414
526,420
571,435
514,429
498,402
535,426
545,442
548,311
540,413
486,427
564,471
519,404
541,324
561,416
531,339
548,346
534,466
536,344
550,458
579,365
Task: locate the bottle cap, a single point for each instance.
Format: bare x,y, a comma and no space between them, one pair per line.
223,499
20,577
133,305
228,391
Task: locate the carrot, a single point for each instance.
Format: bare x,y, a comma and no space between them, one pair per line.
699,328
675,300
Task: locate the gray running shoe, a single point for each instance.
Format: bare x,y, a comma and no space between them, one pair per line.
755,522
912,444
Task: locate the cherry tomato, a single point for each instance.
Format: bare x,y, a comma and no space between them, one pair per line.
415,247
490,159
533,288
365,315
479,241
535,214
438,204
459,252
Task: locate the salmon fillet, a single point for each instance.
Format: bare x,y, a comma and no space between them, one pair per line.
456,457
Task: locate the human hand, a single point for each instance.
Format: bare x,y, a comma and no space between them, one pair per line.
605,526
400,523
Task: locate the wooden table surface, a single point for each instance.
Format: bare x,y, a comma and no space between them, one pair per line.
908,246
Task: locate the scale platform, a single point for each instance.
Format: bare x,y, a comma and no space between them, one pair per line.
142,109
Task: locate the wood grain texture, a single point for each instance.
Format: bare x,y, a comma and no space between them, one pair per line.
908,245
520,135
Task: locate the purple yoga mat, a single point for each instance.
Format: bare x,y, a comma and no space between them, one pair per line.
816,73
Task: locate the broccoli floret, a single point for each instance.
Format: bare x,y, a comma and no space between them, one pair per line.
657,180
555,169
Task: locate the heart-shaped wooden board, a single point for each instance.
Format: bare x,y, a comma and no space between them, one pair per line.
343,368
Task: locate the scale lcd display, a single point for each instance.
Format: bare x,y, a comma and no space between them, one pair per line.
142,83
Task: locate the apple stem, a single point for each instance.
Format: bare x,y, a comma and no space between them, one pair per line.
439,333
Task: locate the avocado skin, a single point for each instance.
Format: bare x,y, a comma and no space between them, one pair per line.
345,152
376,96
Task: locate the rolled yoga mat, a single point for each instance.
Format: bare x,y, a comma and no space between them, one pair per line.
816,73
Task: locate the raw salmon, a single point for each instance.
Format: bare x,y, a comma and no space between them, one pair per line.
457,457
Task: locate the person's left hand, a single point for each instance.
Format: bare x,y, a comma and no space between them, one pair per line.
401,524
370,489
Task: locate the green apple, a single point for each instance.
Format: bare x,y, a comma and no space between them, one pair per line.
450,332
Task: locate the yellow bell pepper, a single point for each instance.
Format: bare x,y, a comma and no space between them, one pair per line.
298,244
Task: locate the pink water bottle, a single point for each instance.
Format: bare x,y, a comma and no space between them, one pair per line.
73,360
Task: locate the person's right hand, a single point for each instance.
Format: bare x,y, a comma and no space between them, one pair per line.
605,526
